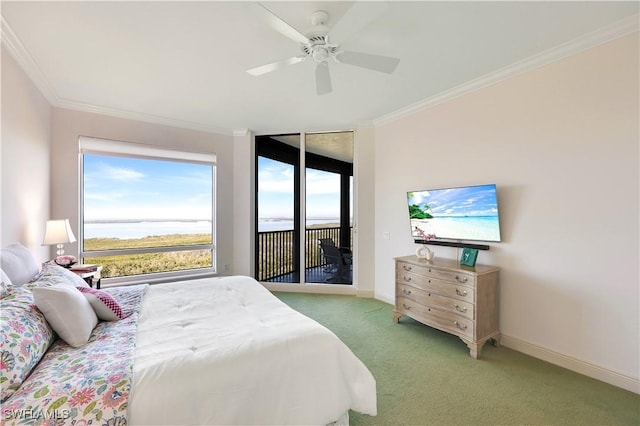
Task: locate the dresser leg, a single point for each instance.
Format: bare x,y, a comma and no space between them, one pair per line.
495,341
473,350
396,317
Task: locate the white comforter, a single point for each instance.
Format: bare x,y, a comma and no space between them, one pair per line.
226,351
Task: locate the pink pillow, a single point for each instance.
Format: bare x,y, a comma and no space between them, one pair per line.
106,307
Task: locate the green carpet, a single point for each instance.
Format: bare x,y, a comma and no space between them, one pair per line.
425,376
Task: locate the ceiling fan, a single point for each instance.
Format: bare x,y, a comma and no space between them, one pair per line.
315,44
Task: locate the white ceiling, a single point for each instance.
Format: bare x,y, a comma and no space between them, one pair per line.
338,145
183,63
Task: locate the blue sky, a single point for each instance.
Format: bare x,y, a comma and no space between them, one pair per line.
275,191
130,188
466,201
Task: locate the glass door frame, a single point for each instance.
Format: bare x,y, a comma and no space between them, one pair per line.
279,151
299,158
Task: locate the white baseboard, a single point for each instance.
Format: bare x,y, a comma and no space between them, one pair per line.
385,299
579,366
309,288
367,294
597,372
319,289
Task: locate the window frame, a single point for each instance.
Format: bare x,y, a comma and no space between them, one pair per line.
267,146
113,148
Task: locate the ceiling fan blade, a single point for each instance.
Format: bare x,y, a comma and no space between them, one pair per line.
263,69
278,24
323,78
356,18
380,63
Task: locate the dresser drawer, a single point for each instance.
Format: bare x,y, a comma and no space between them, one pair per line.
450,297
443,320
435,285
458,277
436,301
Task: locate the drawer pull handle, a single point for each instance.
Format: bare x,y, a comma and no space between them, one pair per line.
406,268
461,280
407,279
405,291
460,326
461,309
461,293
406,307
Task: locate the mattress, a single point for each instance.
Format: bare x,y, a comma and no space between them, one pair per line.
226,351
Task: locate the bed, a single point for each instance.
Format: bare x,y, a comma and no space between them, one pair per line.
208,351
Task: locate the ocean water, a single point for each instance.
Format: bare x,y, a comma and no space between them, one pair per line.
268,225
481,228
126,230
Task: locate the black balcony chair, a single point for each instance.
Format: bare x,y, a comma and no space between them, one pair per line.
328,267
339,261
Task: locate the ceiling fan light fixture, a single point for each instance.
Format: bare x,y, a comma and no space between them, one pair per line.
320,53
314,43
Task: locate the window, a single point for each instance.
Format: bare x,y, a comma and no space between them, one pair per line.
146,211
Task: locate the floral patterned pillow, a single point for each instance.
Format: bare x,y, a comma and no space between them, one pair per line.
24,331
53,274
25,336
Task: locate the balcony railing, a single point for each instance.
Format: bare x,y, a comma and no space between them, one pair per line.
275,251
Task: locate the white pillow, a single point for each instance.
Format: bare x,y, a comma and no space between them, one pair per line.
67,311
55,274
18,263
5,279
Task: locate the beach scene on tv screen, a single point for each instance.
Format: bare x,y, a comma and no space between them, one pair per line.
466,213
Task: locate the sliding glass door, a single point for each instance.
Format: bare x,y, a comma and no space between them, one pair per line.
278,209
303,208
328,195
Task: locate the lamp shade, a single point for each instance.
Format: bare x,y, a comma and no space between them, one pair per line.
58,232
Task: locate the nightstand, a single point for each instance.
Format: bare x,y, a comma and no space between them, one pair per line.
91,277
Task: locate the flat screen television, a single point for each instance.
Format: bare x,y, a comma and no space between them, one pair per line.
468,213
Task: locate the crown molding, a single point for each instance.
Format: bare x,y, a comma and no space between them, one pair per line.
15,47
147,118
603,35
619,29
240,133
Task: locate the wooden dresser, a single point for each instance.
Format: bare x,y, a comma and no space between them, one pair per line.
450,297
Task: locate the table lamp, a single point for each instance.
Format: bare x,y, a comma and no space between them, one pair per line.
58,232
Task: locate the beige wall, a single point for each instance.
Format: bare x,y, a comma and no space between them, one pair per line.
69,125
24,152
561,143
243,203
364,210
